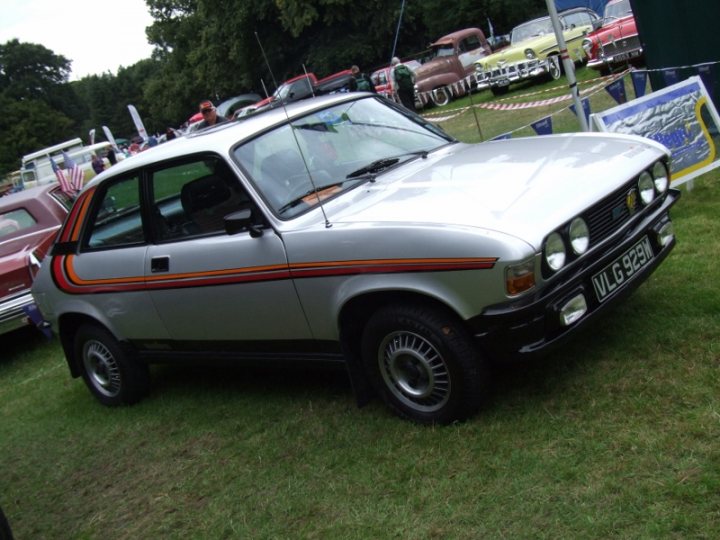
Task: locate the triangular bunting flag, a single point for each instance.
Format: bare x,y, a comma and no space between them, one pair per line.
639,80
706,74
670,76
543,126
586,109
617,91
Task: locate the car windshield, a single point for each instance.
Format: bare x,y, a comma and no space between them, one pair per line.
538,27
295,166
616,10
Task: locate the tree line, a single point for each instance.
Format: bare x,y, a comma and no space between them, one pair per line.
211,49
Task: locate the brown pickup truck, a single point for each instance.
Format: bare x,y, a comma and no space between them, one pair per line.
450,68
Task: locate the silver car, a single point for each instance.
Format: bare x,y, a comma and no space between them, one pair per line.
347,228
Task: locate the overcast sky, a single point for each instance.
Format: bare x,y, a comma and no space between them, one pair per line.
97,36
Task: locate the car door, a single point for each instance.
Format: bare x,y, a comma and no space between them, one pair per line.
206,284
109,267
471,50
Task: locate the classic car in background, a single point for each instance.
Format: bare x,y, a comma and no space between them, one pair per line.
534,51
29,221
347,228
616,43
443,76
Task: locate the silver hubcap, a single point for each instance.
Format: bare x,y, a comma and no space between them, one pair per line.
102,369
414,371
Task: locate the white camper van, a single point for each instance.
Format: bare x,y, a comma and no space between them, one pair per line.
36,168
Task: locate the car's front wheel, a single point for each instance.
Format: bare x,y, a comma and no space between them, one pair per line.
112,376
441,96
555,67
423,363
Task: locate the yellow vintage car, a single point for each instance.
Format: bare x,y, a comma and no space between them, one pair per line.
534,51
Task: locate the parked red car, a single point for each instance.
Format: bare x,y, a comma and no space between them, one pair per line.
616,42
29,221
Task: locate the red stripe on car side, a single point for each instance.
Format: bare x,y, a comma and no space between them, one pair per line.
67,279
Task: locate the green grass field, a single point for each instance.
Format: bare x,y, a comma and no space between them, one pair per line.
614,436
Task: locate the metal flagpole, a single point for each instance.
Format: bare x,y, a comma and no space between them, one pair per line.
397,32
568,64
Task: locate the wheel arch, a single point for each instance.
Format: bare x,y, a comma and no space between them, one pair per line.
68,325
355,313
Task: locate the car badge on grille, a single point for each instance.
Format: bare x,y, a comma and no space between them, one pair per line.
631,201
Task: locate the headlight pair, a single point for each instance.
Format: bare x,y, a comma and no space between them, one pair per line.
653,182
573,239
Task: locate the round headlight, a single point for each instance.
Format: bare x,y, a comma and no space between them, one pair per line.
587,46
529,54
555,251
579,235
646,187
661,177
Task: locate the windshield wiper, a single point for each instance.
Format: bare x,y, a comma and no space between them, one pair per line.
374,167
382,164
297,200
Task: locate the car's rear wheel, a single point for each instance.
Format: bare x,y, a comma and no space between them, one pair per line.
423,363
112,376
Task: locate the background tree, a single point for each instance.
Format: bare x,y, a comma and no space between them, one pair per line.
208,49
34,96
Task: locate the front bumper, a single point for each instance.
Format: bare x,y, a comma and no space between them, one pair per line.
613,57
12,313
532,326
512,73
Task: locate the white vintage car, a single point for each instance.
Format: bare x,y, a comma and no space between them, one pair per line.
347,228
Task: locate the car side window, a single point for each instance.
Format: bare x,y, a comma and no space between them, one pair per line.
117,219
574,20
470,43
192,199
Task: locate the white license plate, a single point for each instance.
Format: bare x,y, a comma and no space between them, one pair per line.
626,56
619,272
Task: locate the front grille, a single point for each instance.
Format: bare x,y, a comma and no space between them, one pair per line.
518,69
621,45
611,213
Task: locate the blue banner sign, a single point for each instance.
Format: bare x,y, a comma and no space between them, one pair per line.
681,116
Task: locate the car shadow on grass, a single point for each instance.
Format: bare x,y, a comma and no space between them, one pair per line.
20,344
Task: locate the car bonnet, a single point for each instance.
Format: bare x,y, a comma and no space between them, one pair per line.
521,187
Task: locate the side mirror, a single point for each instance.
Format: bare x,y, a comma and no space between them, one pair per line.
240,221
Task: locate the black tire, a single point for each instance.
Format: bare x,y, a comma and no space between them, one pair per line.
5,531
440,96
555,67
499,90
423,364
112,376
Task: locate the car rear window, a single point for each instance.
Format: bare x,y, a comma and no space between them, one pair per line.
14,221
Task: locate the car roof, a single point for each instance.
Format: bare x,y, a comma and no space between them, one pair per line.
220,139
455,36
19,198
560,14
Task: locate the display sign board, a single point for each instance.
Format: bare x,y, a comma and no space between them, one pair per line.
681,116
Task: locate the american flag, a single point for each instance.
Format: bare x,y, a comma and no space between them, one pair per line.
77,175
65,183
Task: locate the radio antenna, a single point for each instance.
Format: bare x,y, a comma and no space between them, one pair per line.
292,130
312,91
472,106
